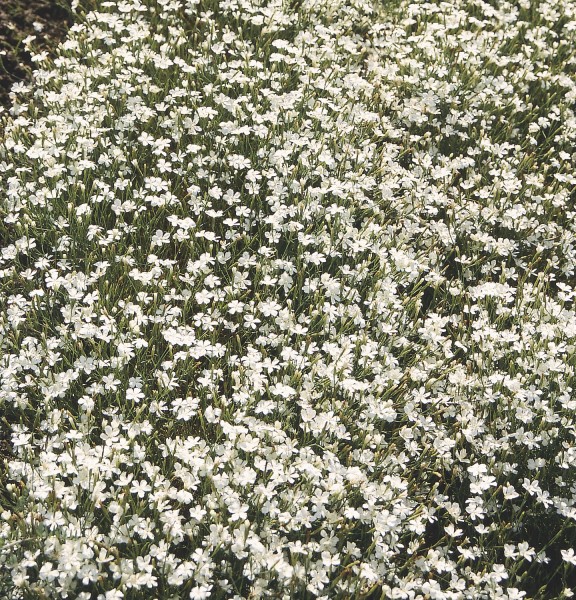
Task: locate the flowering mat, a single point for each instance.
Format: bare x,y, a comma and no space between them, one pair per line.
287,303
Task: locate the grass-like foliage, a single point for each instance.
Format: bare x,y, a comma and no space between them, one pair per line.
287,303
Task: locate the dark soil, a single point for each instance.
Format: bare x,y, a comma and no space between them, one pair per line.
17,22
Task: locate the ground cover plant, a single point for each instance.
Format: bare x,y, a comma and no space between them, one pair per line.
287,303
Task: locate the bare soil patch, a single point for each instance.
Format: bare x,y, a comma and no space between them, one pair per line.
48,20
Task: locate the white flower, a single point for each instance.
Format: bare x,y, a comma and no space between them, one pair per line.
140,488
134,394
200,592
568,556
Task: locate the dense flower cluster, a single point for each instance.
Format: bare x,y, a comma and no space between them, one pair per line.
287,303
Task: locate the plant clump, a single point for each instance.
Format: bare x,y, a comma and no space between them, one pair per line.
287,303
